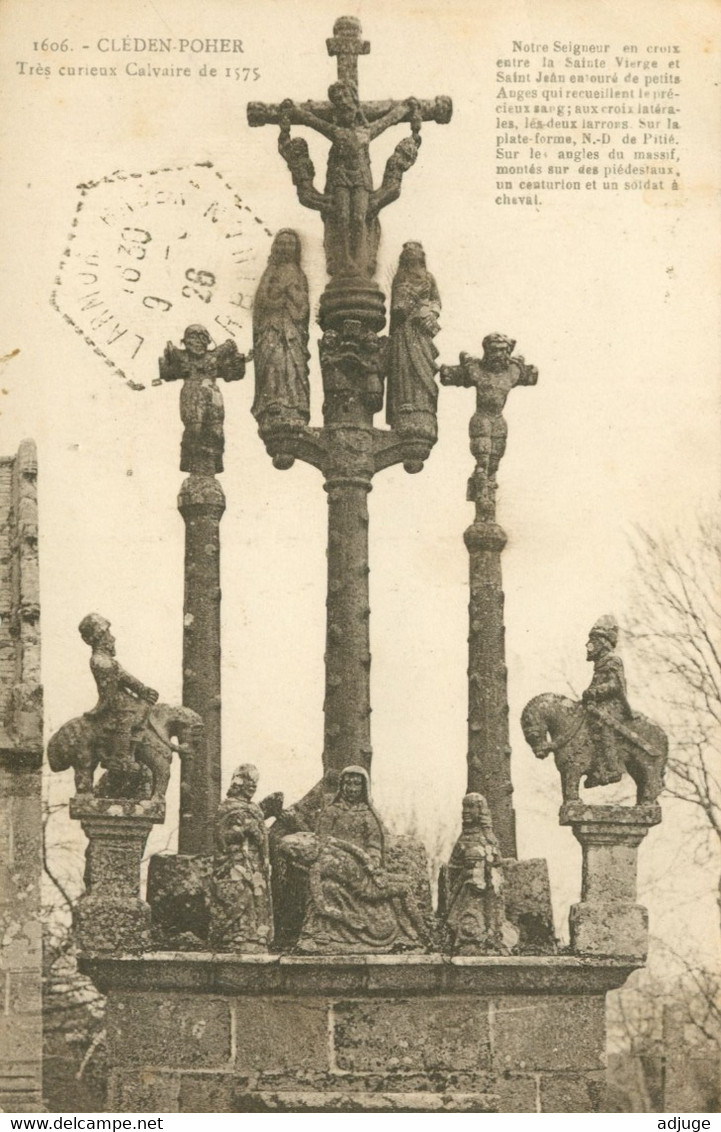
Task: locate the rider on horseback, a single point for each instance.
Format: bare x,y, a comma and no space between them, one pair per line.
605,701
124,703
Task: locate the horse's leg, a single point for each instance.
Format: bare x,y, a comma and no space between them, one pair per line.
653,781
160,767
570,781
639,773
84,772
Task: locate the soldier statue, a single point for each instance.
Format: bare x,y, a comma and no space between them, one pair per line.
605,701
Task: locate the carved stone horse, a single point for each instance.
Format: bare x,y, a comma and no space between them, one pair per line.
75,745
641,744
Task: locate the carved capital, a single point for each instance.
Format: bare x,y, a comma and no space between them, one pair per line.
610,825
351,358
409,449
285,443
484,536
201,494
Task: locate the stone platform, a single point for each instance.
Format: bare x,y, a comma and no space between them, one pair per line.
201,1032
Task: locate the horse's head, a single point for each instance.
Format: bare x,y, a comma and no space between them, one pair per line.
186,726
69,744
535,720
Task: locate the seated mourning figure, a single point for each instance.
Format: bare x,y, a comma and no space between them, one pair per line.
241,914
471,887
354,904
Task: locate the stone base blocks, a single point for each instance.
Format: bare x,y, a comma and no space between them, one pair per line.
212,1033
608,921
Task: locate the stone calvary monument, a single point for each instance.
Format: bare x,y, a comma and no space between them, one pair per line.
289,958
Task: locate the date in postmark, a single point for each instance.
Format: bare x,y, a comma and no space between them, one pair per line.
148,254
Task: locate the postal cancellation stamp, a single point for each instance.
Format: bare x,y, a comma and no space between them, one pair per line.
149,253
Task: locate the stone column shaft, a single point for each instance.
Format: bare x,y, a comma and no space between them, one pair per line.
489,752
201,502
347,659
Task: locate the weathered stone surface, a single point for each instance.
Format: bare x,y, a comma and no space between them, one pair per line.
295,976
144,1090
281,1034
111,916
27,829
609,929
201,502
489,753
527,896
209,1092
578,1093
22,1100
21,944
24,781
23,993
21,694
102,923
179,898
415,1035
431,1051
548,1033
169,1031
398,1080
347,448
364,1102
517,1092
20,1038
406,856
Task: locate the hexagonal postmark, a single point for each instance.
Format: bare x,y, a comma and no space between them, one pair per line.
149,254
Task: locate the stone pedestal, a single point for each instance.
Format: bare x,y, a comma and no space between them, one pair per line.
608,921
376,1033
111,916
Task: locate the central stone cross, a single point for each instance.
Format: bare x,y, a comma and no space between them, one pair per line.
349,204
355,363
